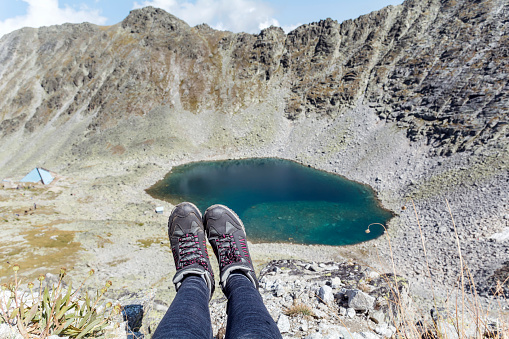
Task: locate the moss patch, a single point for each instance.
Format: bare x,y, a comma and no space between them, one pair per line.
42,249
145,243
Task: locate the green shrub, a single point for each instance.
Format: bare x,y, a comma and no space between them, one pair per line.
52,310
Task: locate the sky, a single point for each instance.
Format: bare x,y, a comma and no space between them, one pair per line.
249,16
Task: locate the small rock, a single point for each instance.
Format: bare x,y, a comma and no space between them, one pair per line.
336,283
345,333
325,294
133,314
320,314
502,236
372,274
51,278
359,300
385,330
283,323
116,330
313,268
342,311
315,335
7,332
279,291
377,316
350,312
160,307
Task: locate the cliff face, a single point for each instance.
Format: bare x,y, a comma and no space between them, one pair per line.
438,68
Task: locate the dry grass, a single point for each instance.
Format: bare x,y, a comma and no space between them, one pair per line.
460,315
299,309
42,248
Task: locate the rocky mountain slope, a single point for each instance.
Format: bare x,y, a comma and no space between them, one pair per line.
437,68
411,99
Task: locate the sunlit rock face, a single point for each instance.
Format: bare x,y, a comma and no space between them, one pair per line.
436,68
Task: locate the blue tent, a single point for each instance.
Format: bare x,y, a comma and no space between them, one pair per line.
38,174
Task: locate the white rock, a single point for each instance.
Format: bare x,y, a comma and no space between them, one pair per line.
377,316
502,236
320,314
345,333
279,290
283,323
342,311
160,307
373,274
336,282
116,331
315,335
385,330
350,312
9,332
359,300
325,294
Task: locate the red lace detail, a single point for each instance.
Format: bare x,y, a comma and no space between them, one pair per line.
188,248
226,250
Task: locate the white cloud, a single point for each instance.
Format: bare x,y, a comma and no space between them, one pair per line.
290,28
234,15
48,12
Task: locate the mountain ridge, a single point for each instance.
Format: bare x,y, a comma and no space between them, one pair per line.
152,59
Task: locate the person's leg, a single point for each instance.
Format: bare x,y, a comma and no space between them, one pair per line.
188,315
247,315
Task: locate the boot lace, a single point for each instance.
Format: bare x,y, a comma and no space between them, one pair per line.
227,251
189,252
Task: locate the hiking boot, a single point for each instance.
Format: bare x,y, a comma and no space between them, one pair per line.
227,236
188,245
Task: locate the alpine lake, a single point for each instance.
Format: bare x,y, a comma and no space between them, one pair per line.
280,200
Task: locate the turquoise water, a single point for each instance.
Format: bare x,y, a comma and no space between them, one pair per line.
279,200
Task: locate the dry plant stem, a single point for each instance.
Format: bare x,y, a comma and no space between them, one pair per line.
394,289
478,308
424,249
97,300
19,321
462,275
48,325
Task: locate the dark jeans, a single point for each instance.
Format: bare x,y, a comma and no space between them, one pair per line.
189,316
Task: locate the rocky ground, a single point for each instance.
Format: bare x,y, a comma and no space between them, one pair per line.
97,215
